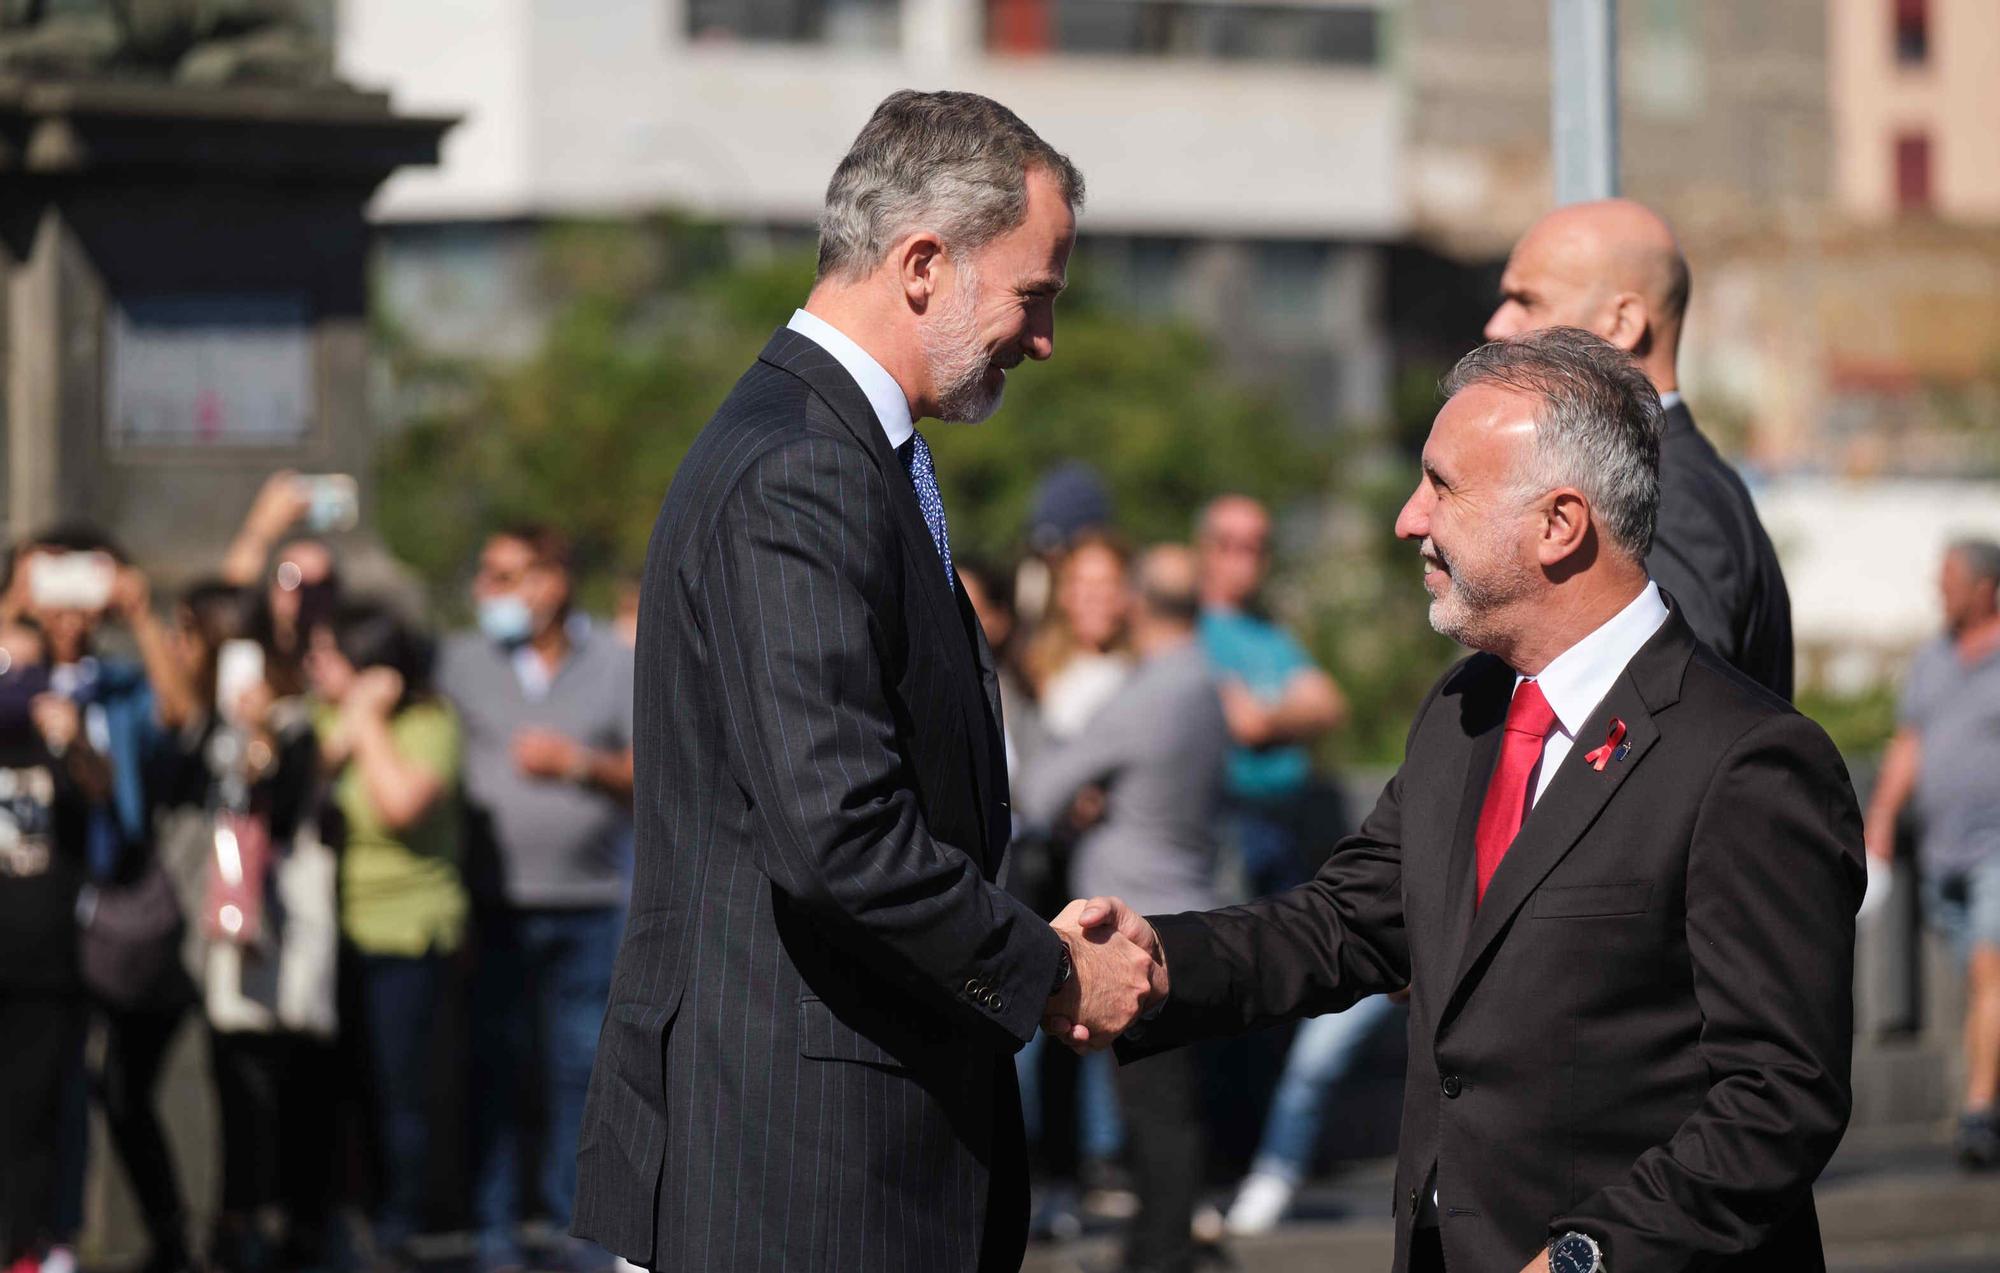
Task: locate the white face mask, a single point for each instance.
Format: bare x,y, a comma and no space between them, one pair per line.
506,619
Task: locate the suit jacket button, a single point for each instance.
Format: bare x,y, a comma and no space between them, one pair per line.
1413,1202
995,1002
1452,1087
973,988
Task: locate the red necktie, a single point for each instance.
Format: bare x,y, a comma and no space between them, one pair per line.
1529,719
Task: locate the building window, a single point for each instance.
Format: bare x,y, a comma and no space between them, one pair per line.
1913,31
859,24
1913,173
1227,30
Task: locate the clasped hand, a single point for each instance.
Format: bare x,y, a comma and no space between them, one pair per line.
1120,973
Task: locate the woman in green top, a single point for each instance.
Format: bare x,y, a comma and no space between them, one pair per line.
392,755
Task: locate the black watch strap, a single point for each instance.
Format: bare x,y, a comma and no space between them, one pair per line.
1064,968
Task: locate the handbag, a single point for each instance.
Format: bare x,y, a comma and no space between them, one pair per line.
129,946
233,903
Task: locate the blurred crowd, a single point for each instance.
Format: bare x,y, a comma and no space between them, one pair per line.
289,813
1160,725
293,815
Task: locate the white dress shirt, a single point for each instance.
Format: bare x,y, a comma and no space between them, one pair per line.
892,408
1577,680
1670,399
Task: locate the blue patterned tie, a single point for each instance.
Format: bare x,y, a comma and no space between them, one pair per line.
916,457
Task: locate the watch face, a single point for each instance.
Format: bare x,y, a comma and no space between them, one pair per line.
1573,1253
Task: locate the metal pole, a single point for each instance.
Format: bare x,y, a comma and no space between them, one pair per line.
1583,98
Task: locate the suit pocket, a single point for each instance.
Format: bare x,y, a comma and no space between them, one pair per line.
1585,901
825,1037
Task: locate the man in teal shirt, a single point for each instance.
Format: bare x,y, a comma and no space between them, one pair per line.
1277,701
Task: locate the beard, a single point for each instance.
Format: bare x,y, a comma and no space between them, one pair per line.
956,358
1473,596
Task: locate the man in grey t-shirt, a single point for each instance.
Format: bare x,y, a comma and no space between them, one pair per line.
1153,759
1944,760
546,701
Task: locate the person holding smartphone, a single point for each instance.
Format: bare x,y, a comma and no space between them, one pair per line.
246,820
279,548
71,582
43,809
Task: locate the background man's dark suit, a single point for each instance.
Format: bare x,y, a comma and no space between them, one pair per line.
1643,1031
1711,553
807,1058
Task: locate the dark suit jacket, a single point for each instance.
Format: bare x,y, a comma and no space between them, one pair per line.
807,1058
1643,1032
1711,553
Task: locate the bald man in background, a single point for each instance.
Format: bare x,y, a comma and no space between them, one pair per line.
1614,268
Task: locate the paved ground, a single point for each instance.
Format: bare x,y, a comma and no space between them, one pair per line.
1890,1201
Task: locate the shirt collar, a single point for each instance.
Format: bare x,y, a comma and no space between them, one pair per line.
535,676
1670,399
892,408
1577,680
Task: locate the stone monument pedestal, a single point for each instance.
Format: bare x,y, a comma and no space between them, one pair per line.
186,310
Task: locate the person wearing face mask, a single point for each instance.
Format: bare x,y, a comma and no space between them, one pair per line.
545,696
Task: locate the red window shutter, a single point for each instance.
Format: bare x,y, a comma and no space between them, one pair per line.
1019,26
1913,173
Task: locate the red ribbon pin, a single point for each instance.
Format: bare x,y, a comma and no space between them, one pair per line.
1617,735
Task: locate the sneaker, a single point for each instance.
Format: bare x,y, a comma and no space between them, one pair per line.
1260,1203
1978,1140
1107,1190
1055,1216
1207,1227
60,1259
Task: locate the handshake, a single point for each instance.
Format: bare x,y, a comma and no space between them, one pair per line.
1119,974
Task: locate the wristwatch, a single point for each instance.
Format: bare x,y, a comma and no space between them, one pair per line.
1575,1253
1064,968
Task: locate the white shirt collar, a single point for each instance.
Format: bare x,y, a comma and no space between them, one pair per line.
892,409
1577,680
1670,399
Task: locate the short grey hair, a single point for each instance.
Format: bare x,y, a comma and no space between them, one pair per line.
1981,557
956,163
1598,428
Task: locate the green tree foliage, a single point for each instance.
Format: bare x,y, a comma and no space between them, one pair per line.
654,326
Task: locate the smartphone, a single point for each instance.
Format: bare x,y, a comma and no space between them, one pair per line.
239,668
71,581
333,501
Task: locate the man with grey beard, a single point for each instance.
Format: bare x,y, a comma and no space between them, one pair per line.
807,1059
1618,876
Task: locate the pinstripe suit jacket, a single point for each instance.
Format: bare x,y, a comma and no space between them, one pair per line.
806,1062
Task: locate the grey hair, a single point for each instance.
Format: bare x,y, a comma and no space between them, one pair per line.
956,163
1981,557
1598,428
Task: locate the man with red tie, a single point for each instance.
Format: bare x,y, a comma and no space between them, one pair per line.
1619,877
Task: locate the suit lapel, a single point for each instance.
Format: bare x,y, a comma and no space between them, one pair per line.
1574,798
805,359
1485,718
991,734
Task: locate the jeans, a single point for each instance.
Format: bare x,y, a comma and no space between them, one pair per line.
1322,1052
543,981
1267,845
399,998
1100,1124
